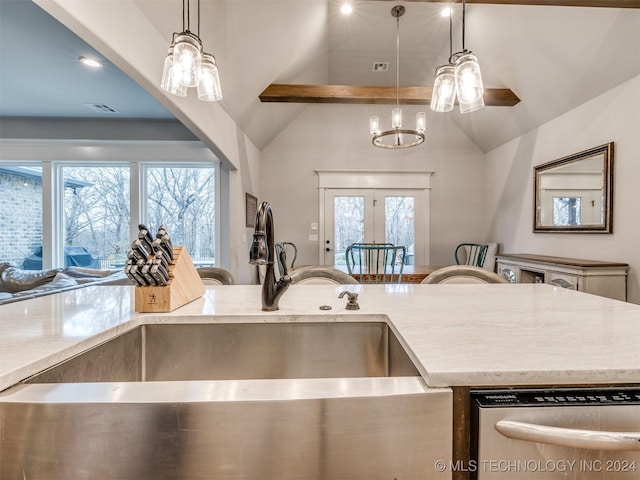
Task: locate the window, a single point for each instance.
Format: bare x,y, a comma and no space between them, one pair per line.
400,223
20,212
567,211
183,199
93,210
349,224
96,216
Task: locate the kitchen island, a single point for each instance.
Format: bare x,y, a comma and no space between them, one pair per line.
457,336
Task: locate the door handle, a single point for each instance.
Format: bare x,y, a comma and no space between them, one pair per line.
569,437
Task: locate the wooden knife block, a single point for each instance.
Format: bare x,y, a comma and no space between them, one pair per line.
184,286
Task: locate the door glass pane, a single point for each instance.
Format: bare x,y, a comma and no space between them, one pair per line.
567,211
183,199
21,215
348,224
96,216
399,224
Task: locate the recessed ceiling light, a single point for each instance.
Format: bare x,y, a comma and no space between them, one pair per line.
90,62
445,12
346,8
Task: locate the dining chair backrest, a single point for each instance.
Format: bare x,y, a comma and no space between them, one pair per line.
215,276
463,274
376,262
471,254
291,253
318,275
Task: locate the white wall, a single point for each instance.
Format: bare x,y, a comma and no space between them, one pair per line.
613,116
337,137
243,180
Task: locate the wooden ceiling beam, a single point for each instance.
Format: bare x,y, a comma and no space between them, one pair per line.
553,3
288,93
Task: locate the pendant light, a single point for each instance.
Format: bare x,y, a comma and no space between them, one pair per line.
187,65
398,137
461,77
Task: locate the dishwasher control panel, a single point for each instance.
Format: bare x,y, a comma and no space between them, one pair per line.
556,397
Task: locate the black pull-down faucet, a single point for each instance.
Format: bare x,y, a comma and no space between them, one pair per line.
263,253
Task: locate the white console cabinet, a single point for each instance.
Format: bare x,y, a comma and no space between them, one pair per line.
607,279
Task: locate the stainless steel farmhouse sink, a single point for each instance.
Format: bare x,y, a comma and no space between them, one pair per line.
291,400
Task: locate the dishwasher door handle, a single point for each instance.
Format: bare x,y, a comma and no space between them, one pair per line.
569,437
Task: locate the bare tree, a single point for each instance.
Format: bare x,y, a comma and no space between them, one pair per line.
97,214
183,199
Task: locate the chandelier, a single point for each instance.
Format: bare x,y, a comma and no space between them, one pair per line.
187,65
461,77
398,137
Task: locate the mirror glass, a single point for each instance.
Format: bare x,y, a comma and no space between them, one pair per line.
574,193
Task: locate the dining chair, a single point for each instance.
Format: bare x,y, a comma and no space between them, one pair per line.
215,276
463,274
376,262
318,275
291,253
471,254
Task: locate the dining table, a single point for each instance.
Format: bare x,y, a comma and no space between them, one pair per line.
410,274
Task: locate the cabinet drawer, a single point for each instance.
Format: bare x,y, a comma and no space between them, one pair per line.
562,280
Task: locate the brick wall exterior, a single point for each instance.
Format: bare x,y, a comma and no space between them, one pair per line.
20,217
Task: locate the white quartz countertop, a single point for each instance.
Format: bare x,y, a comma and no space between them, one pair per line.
458,335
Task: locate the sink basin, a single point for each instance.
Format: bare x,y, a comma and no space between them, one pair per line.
237,351
230,401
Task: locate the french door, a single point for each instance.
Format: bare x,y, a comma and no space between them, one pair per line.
397,216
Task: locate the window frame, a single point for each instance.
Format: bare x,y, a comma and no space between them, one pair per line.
53,200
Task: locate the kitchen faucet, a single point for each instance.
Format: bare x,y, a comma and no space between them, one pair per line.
263,253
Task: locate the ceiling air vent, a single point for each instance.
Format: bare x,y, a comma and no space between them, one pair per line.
100,108
380,66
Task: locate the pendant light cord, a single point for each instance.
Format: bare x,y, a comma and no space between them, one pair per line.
455,56
450,31
184,10
397,61
463,17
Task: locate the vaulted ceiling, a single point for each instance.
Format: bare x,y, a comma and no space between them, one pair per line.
553,58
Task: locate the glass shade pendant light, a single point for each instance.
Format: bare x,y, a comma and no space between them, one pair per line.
469,83
172,77
461,78
187,56
398,137
209,86
186,65
444,89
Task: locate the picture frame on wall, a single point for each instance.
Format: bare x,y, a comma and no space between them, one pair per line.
251,207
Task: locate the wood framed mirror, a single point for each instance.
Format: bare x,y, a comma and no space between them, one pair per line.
574,194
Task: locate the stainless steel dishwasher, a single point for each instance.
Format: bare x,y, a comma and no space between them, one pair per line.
567,433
